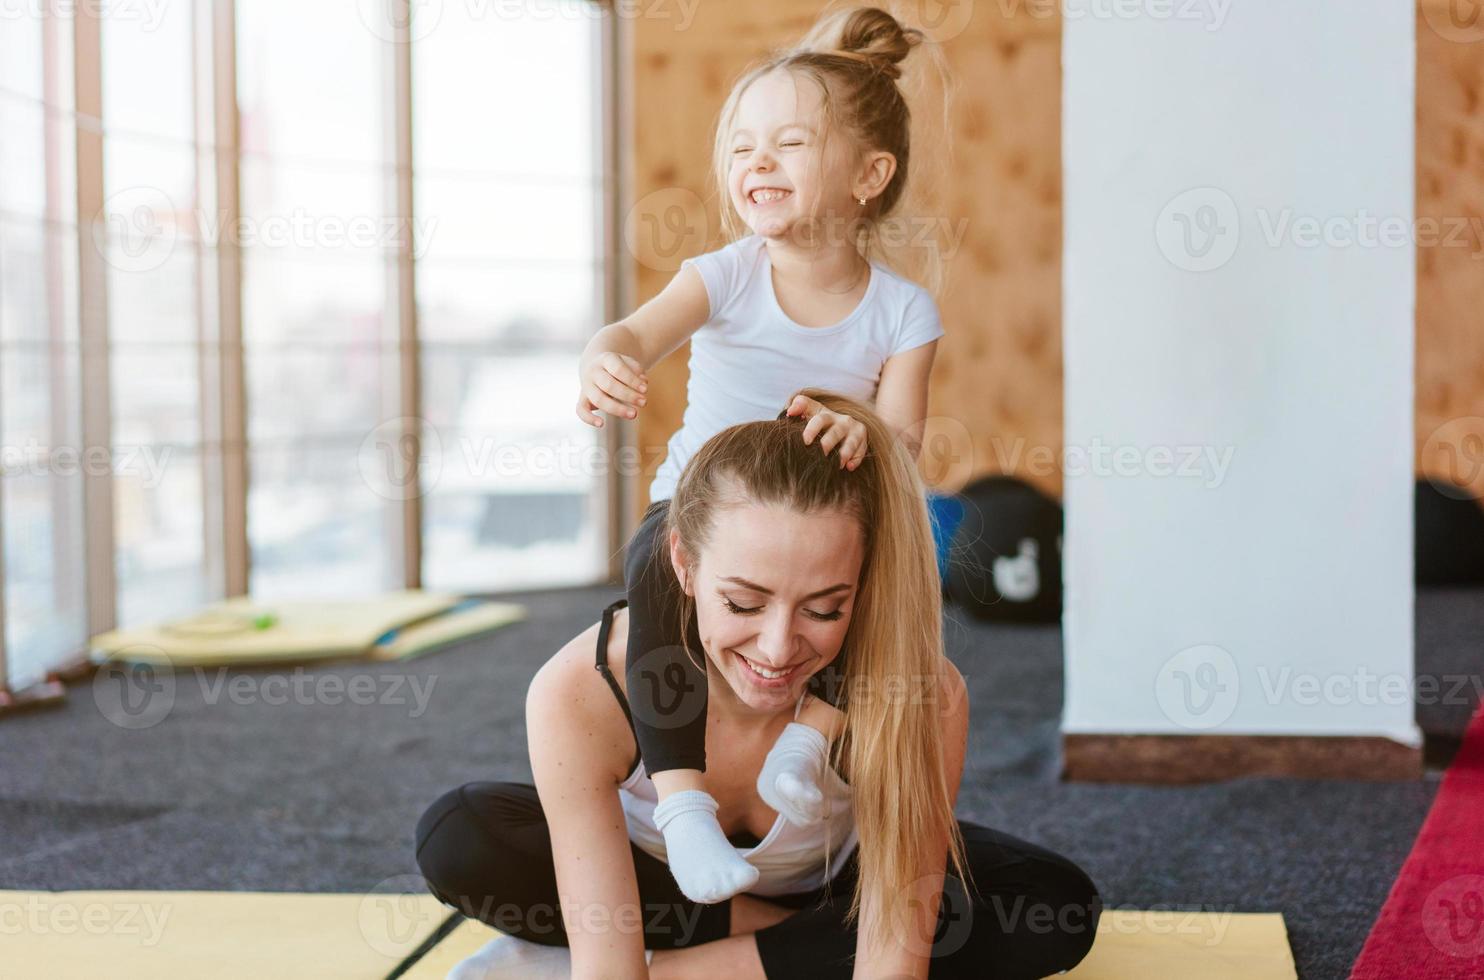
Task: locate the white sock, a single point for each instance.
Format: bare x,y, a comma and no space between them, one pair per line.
791,774
706,866
511,958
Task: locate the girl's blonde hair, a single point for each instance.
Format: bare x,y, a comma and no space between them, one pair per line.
855,57
891,749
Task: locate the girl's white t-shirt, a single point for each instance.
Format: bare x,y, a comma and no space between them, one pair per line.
749,356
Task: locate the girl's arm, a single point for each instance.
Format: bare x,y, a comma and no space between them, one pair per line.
911,957
902,393
578,738
901,401
613,364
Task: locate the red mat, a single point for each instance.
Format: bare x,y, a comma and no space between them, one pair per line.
1432,925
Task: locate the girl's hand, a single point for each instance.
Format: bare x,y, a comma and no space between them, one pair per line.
833,428
613,383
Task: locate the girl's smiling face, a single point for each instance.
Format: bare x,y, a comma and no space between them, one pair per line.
783,169
774,591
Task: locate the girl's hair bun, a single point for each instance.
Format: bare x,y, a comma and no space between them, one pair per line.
869,34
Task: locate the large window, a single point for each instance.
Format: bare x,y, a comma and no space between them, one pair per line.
41,487
237,291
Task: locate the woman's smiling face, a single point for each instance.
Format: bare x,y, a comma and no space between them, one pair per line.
783,171
774,592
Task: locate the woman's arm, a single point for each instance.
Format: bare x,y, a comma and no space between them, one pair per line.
911,956
579,746
902,393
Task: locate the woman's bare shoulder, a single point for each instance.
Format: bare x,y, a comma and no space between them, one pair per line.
568,697
572,667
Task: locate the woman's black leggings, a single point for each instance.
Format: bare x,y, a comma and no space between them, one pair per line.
667,691
485,849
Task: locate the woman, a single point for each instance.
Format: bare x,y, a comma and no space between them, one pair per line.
787,563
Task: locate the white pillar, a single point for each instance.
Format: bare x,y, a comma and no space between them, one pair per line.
1238,289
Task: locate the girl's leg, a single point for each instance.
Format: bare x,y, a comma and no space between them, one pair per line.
667,701
666,691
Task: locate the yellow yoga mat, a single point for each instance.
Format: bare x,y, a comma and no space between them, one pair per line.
244,631
1131,945
222,935
1194,945
286,936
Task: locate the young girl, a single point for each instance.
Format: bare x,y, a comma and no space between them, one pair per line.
812,153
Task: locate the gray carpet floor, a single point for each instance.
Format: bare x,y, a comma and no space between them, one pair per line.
266,786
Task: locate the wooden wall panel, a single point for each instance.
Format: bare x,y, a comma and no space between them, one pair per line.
1450,264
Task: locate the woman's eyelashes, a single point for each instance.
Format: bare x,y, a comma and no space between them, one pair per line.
823,617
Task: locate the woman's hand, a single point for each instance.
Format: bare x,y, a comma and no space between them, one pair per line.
833,429
614,383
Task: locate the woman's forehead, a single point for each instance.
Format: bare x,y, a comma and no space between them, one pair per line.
772,539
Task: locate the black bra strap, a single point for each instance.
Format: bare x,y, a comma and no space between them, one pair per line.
602,667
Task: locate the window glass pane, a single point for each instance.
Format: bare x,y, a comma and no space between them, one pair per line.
515,307
158,533
334,300
513,483
45,622
507,279
21,53
41,487
498,49
292,403
318,528
152,294
150,237
156,396
315,242
147,71
308,80
515,222
313,207
153,175
22,158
